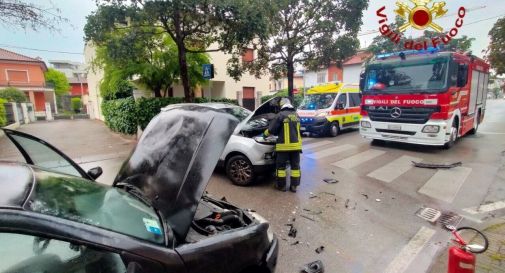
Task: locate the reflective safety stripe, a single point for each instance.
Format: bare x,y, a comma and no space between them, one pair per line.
288,147
267,133
286,133
295,173
298,130
281,173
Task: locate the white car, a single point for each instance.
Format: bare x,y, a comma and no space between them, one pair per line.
247,154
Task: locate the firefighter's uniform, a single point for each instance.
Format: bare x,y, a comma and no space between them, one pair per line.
286,126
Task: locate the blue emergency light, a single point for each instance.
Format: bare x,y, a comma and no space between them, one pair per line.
429,50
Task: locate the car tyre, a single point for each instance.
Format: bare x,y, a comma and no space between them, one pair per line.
334,129
240,170
378,142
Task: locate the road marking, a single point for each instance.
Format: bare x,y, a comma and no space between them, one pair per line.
317,144
491,133
308,140
394,169
331,151
486,208
402,261
445,184
357,159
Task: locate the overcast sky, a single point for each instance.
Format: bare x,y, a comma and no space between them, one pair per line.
70,39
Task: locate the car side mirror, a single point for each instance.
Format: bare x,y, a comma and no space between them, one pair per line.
95,172
362,81
134,267
462,75
339,106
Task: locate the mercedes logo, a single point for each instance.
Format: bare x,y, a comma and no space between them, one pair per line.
396,112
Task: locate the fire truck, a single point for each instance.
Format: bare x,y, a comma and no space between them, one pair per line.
427,97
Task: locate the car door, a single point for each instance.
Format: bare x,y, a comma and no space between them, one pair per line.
42,154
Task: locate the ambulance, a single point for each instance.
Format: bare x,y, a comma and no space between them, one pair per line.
329,108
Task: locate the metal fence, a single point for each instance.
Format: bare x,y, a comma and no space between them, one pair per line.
10,113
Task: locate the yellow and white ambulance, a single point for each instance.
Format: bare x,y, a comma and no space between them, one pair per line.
327,109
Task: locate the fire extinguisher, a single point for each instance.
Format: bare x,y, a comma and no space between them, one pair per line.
462,255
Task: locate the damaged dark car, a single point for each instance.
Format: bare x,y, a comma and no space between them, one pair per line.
156,216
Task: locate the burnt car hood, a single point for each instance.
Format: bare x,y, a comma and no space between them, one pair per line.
175,158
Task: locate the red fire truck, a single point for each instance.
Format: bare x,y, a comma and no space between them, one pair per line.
424,97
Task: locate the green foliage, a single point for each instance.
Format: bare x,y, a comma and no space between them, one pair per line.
76,104
3,113
123,115
113,86
12,94
59,80
284,93
120,115
496,51
163,31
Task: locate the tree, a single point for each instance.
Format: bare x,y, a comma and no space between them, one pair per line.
381,43
16,13
496,50
195,26
12,94
59,80
313,33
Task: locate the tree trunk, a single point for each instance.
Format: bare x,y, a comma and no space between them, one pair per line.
157,92
170,92
183,65
291,73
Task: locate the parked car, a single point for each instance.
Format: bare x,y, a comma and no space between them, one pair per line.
247,155
154,218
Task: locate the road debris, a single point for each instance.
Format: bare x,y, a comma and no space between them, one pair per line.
313,196
436,166
346,203
365,195
330,180
313,267
292,231
224,199
311,212
307,217
377,200
295,243
319,249
329,193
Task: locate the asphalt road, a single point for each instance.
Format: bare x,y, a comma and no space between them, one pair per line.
367,221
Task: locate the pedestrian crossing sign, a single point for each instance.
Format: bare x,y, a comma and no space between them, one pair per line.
208,71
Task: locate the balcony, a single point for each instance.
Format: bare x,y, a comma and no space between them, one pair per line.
39,84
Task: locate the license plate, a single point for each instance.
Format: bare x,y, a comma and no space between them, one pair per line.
302,128
394,127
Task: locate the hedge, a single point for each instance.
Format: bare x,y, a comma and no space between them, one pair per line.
12,94
284,93
123,115
76,104
3,113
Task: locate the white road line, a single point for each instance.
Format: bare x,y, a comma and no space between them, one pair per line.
331,151
491,133
402,261
357,159
317,144
309,140
486,208
394,169
445,184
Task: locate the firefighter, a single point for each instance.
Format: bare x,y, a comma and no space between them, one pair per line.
286,126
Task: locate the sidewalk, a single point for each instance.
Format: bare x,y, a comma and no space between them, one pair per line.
491,261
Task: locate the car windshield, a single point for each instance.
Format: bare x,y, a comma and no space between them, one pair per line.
408,76
94,204
317,101
238,112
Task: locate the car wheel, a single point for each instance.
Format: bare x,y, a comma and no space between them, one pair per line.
378,142
474,130
334,129
240,170
453,137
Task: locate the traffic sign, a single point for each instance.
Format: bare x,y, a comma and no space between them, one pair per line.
208,71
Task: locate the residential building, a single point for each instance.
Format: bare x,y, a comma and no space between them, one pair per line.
282,83
27,74
248,90
352,67
77,78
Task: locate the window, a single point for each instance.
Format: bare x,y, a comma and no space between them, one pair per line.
17,76
335,77
321,77
248,55
354,100
342,100
26,253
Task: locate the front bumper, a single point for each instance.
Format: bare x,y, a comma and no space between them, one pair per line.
314,125
271,256
408,133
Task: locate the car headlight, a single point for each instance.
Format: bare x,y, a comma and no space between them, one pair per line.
265,140
260,219
366,124
431,129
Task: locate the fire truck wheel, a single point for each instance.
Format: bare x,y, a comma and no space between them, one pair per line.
334,129
454,136
474,130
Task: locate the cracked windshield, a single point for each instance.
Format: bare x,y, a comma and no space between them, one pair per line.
241,136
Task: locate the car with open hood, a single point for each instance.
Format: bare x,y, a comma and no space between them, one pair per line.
156,216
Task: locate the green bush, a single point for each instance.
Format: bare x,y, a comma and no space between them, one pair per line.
147,108
11,94
120,115
3,113
116,90
284,93
76,104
